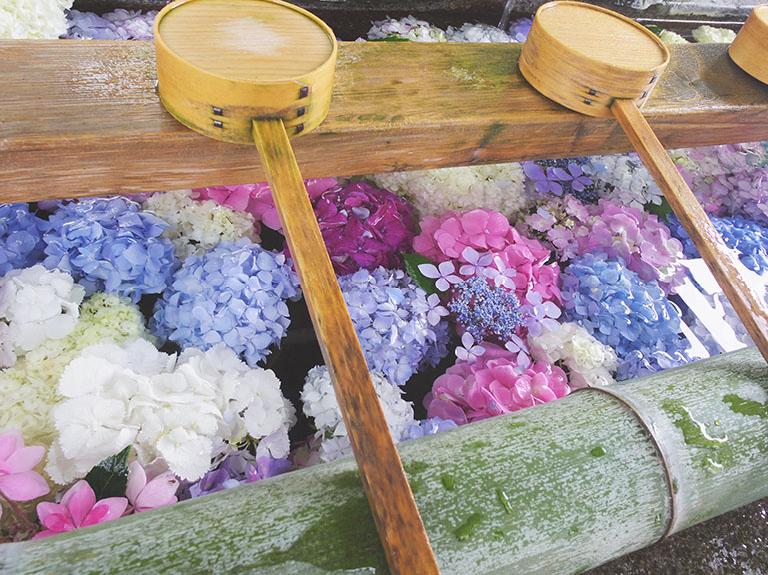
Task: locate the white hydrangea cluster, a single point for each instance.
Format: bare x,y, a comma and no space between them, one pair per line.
196,226
477,33
712,35
28,388
33,19
588,362
320,404
499,187
37,304
624,178
182,411
408,28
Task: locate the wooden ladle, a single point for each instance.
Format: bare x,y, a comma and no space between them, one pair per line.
246,71
600,63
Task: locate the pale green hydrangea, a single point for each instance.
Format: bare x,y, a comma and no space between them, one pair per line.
33,19
712,35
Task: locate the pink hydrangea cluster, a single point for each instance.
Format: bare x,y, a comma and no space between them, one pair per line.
639,238
364,226
492,385
256,199
483,242
743,193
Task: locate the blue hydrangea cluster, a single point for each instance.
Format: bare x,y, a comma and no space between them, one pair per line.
749,238
619,309
391,317
234,294
21,237
110,245
431,426
487,312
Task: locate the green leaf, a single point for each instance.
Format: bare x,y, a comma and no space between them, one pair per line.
391,38
661,210
412,263
655,29
109,478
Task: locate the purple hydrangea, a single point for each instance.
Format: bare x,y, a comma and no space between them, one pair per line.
21,237
393,322
234,294
749,238
619,309
559,177
117,25
236,469
519,29
110,245
431,426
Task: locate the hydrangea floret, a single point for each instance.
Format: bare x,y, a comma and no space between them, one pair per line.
119,24
21,237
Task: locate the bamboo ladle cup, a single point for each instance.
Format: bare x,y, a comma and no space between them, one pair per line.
750,48
600,63
246,71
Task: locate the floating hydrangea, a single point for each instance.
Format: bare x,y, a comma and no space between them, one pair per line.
256,199
711,35
742,193
619,309
119,24
625,179
393,322
110,245
21,237
494,385
639,238
238,468
408,28
234,294
486,312
183,411
499,187
587,361
364,226
38,304
321,405
520,28
477,32
669,37
749,238
195,227
29,387
431,426
560,177
33,19
465,236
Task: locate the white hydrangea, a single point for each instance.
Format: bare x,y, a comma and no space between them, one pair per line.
33,19
625,179
38,304
197,226
669,37
712,35
499,187
408,28
319,404
477,33
181,411
589,362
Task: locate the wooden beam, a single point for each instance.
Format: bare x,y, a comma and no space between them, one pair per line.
82,118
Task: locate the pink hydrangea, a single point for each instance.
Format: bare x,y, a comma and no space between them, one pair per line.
492,385
465,237
18,480
364,226
78,508
150,492
256,199
639,238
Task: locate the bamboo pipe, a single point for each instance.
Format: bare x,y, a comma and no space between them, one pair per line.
555,489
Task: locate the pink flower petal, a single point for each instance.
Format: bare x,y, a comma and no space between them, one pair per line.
10,441
24,486
137,480
54,517
159,492
80,499
105,510
26,458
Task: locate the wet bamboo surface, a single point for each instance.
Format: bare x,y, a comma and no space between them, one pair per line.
396,106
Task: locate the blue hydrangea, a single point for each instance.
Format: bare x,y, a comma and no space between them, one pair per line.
110,245
234,294
431,426
392,320
749,238
21,237
486,312
620,310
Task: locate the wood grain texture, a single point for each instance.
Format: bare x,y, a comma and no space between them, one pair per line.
544,499
392,504
722,261
82,118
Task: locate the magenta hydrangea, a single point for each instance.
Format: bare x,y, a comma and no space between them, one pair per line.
482,242
256,199
493,385
364,227
640,239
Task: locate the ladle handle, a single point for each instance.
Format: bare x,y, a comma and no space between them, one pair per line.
721,260
394,509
